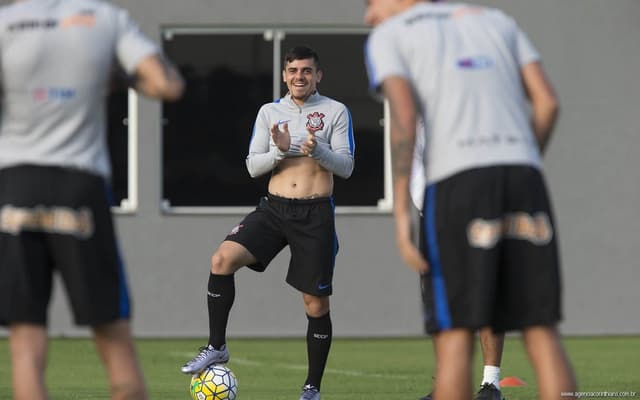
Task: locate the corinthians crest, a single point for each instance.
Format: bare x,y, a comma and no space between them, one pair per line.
315,122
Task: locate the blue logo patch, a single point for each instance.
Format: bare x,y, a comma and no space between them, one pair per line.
53,94
478,62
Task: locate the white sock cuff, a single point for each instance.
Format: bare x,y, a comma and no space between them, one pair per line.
491,375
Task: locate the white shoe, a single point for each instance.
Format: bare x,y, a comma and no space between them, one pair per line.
207,356
310,393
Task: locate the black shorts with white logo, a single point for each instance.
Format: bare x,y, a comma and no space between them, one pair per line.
58,219
307,226
489,237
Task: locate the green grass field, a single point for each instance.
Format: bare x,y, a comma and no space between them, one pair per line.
274,369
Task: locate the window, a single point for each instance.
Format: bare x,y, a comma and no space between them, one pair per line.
206,134
230,75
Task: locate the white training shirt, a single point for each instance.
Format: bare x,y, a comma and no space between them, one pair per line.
329,119
56,58
464,62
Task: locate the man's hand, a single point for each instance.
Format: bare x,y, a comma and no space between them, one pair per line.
408,251
309,144
282,139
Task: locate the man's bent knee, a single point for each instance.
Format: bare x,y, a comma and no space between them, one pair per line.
223,264
229,258
316,306
218,263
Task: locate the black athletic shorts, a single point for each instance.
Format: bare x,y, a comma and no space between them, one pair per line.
489,237
307,226
58,219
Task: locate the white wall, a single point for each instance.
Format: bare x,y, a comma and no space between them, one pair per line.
591,50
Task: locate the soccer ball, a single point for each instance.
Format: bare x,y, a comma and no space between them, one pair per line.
216,382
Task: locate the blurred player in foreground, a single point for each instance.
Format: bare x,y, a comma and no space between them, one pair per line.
488,245
57,58
491,343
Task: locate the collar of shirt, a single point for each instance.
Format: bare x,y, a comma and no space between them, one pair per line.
313,100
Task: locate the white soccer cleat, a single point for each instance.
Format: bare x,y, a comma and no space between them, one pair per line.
310,393
207,356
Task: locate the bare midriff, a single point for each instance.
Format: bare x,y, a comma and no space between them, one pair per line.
301,178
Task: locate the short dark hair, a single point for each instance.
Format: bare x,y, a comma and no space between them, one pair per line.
301,53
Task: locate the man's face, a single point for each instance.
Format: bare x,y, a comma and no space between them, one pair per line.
301,77
379,10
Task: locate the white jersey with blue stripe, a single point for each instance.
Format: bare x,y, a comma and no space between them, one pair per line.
464,63
56,61
330,121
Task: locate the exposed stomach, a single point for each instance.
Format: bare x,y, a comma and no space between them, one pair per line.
301,178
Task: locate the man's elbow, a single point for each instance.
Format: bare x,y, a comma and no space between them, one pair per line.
346,172
346,175
253,171
171,89
553,105
156,77
547,106
552,109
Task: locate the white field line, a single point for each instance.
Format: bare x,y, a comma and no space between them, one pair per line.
298,367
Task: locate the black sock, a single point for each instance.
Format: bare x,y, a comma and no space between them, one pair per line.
318,344
220,295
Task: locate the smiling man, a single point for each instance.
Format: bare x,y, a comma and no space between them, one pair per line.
303,139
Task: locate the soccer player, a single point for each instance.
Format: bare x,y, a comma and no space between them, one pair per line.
57,58
491,343
488,247
302,139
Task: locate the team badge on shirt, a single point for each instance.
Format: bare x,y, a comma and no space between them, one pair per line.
236,229
315,122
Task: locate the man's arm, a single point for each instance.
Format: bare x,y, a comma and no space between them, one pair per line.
402,106
544,103
156,77
263,157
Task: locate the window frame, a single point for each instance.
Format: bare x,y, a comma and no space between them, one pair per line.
277,35
129,204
